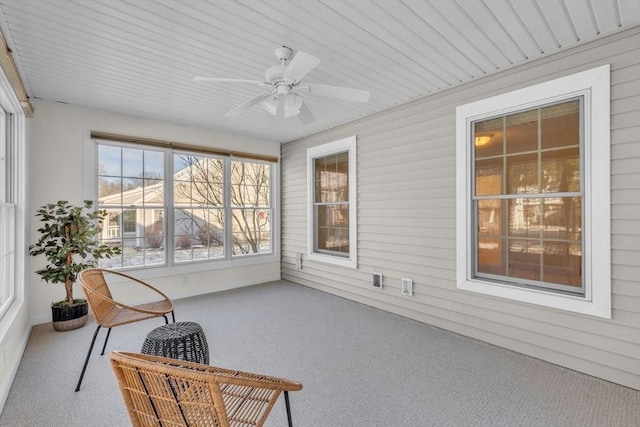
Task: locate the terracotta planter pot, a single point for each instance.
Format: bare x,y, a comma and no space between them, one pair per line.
69,318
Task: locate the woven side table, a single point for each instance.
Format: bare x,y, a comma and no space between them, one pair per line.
181,340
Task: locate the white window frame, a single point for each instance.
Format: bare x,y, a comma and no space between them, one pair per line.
348,145
170,266
13,206
594,86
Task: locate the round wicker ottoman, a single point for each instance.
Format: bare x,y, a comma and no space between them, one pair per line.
180,340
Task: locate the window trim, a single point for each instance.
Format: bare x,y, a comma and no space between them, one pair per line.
170,266
348,145
12,105
594,86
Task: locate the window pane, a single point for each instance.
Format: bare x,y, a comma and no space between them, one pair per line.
250,184
563,263
491,259
489,174
251,231
490,217
524,259
199,234
562,218
560,125
132,164
129,220
522,132
153,192
153,226
488,137
153,165
182,193
153,256
110,190
332,178
132,191
522,174
333,228
132,256
561,170
525,218
109,160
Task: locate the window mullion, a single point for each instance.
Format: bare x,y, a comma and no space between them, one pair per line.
228,219
169,204
504,204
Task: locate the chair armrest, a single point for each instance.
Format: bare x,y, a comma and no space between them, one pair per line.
221,375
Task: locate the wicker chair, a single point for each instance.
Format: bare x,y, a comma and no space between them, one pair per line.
110,313
159,391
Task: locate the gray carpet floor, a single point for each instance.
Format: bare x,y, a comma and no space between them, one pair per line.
360,367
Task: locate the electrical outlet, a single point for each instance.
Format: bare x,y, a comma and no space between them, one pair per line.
407,287
377,280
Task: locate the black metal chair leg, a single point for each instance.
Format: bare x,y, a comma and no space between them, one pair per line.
105,342
166,321
173,316
286,402
86,361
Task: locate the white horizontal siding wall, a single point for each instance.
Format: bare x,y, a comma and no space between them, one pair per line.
406,220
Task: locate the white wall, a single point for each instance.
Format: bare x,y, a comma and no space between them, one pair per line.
55,166
407,208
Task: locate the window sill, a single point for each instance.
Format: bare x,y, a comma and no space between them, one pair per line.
599,307
328,259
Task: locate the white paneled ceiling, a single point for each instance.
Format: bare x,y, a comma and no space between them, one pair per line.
139,57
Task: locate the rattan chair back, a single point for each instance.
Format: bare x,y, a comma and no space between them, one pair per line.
109,312
97,292
159,391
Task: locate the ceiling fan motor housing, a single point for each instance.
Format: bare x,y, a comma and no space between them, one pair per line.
274,75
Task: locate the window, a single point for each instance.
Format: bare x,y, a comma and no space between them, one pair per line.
251,208
331,186
11,202
7,215
206,204
533,182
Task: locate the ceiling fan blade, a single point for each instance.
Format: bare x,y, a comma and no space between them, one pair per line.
346,93
247,104
305,115
300,66
224,80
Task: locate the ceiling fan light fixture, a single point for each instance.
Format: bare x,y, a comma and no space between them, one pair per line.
292,105
271,105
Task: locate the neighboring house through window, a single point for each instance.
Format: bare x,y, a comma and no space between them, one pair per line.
331,184
533,194
208,207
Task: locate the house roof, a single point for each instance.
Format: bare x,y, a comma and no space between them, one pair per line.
139,58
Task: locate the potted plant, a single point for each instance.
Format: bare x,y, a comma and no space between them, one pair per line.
68,239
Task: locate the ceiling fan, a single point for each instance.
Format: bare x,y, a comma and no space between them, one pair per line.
284,82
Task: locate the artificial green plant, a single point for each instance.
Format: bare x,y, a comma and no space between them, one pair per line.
68,239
